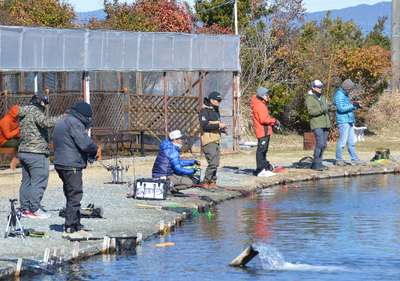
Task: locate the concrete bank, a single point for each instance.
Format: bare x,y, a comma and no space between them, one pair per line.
121,217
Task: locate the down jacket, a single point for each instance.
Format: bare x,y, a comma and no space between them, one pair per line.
71,142
344,112
168,162
33,127
262,121
9,127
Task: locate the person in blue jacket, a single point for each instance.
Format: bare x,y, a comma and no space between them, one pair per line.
169,166
345,123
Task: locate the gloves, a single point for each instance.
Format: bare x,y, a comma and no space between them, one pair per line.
196,162
277,123
196,172
90,159
356,104
326,106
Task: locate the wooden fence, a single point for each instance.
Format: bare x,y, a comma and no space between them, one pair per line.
107,107
148,112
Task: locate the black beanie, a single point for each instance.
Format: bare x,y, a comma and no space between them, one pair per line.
84,108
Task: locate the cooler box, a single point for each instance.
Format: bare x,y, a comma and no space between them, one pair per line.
154,189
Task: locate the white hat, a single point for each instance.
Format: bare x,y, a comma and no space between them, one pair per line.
175,135
317,83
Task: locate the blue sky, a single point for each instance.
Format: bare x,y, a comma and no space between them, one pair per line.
310,5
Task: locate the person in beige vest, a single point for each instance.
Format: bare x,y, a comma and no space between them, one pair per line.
211,129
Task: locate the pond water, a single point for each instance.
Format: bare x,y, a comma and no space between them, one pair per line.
339,229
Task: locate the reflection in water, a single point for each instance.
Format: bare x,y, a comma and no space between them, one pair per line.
264,220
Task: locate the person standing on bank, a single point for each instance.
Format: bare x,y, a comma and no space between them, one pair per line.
345,123
169,166
72,147
33,150
317,108
263,124
211,129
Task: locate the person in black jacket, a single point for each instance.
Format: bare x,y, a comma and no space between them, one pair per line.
211,129
72,146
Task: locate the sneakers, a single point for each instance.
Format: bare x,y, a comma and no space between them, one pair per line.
358,162
73,235
265,173
340,163
41,214
84,234
24,214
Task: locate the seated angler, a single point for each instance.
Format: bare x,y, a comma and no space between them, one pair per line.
169,166
9,129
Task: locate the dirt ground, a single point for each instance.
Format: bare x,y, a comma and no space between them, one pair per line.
284,150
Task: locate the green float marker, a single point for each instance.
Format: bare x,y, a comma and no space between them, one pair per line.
208,214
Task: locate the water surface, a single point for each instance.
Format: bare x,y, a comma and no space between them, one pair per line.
339,229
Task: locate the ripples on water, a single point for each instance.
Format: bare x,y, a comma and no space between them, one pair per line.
340,229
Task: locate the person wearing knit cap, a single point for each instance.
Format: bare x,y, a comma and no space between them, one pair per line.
317,107
345,123
263,124
33,151
72,148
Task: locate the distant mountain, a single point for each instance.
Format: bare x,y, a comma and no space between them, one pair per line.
85,16
365,16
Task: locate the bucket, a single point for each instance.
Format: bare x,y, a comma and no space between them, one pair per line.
309,141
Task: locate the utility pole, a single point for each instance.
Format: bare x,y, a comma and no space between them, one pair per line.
395,44
236,24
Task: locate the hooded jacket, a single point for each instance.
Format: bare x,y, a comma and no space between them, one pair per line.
168,162
210,118
262,121
344,112
33,127
318,118
9,125
72,144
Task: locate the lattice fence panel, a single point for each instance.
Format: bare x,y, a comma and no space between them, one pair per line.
60,103
107,107
108,110
147,111
183,114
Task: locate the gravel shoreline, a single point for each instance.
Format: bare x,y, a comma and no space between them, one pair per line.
121,217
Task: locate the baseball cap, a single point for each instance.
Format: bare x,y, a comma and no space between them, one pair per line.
215,96
41,96
317,83
175,135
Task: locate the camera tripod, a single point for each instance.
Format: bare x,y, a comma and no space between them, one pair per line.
13,219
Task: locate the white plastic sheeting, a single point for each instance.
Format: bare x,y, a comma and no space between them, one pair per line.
29,49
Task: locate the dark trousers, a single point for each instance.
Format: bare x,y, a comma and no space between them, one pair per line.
73,191
321,135
261,154
212,154
35,175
